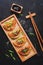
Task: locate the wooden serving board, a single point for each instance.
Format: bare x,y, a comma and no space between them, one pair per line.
21,35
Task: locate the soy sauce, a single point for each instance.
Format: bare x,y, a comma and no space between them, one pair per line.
16,8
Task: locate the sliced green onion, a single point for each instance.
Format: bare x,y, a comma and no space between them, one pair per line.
32,34
12,56
20,14
22,33
10,51
6,55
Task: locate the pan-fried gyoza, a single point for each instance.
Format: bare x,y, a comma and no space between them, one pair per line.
14,34
20,42
25,51
9,25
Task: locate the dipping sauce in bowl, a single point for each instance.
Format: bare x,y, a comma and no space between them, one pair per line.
16,8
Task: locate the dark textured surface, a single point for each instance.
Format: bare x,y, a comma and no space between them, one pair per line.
28,5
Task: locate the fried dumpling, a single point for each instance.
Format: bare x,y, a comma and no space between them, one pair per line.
14,34
24,51
20,42
9,25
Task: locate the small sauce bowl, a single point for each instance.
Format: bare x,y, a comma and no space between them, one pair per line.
16,8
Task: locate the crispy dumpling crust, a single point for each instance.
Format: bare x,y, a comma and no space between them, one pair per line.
9,26
21,42
14,35
24,53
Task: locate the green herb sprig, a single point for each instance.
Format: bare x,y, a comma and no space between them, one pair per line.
10,54
32,34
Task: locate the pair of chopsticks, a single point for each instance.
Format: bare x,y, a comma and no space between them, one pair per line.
40,40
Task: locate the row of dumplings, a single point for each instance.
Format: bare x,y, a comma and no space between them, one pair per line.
15,33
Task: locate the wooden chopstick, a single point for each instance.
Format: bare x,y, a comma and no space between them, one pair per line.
36,31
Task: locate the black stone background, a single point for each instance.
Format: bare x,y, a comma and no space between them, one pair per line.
28,5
